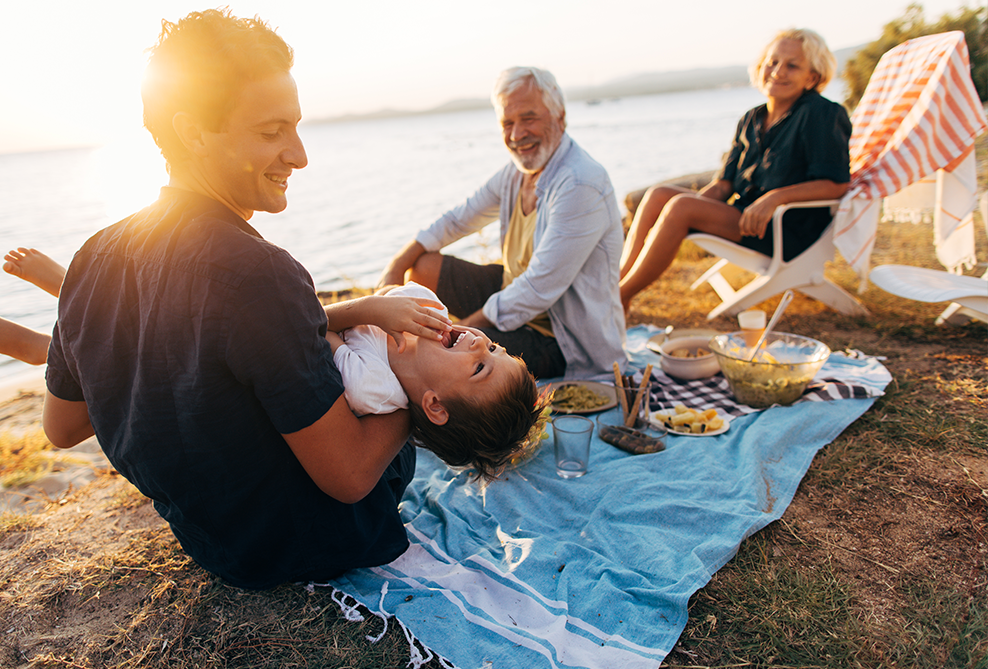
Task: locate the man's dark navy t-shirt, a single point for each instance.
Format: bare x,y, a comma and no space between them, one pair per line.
810,142
196,345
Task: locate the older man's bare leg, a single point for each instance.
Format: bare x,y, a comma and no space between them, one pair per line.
425,271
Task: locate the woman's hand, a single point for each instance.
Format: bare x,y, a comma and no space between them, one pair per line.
756,217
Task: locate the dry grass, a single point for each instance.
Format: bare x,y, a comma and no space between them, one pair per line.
880,561
101,582
27,456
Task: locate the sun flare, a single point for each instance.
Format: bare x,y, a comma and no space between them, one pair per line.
127,174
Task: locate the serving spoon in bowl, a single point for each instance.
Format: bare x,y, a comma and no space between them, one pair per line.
783,303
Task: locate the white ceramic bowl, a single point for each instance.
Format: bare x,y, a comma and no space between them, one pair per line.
698,367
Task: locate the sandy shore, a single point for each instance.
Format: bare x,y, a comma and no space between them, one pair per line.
21,403
28,381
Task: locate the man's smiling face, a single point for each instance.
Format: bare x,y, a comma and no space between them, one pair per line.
248,161
531,133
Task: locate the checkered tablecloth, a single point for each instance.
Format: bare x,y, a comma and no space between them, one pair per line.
714,393
843,376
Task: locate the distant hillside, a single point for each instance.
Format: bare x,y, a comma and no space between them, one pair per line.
648,83
664,82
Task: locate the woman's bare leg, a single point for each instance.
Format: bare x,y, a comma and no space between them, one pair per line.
35,267
648,211
23,343
681,215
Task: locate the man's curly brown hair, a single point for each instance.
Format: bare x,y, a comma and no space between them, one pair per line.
483,436
200,65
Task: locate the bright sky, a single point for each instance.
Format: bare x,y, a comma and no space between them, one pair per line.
73,68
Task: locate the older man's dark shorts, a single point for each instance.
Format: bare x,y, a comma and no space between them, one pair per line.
464,288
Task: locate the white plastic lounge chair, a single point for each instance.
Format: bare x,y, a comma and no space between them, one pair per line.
919,117
969,294
804,273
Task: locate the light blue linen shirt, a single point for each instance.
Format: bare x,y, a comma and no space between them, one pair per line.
574,270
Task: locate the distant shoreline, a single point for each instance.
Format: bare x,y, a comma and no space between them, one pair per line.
589,95
651,83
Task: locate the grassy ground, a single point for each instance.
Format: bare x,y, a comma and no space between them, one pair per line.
881,560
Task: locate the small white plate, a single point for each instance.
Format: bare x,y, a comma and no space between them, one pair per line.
713,433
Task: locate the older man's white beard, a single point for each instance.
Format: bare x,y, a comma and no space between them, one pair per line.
534,163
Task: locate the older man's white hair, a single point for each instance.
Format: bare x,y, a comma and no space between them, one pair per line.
515,77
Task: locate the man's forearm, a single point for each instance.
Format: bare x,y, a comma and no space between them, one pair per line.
344,455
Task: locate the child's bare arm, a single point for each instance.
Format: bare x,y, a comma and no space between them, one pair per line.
395,315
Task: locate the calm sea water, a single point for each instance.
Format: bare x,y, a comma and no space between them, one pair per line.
369,185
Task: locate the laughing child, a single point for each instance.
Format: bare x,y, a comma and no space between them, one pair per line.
472,404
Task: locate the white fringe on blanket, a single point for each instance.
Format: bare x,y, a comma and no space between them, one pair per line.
352,613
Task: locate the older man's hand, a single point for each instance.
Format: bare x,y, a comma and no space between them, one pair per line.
389,278
476,320
402,261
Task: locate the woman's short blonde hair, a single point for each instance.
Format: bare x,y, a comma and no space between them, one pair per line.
821,59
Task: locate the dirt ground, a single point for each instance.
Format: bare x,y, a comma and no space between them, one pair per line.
926,518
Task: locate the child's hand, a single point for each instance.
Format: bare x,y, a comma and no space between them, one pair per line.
420,317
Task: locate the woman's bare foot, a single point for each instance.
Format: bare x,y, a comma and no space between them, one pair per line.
37,268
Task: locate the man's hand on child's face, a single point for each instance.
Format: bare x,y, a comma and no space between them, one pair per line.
416,316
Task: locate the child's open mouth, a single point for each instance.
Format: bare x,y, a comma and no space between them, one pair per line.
451,338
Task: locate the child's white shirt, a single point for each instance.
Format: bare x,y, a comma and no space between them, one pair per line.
370,385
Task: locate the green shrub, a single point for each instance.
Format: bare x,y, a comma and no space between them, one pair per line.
973,22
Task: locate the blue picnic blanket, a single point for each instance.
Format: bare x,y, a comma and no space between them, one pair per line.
536,571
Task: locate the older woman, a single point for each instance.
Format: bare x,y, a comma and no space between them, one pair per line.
793,148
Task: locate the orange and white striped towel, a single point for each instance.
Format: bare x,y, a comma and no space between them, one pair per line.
920,113
947,200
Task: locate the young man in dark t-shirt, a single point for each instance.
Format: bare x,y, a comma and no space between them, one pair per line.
195,351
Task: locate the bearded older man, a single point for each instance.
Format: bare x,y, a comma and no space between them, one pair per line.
553,299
